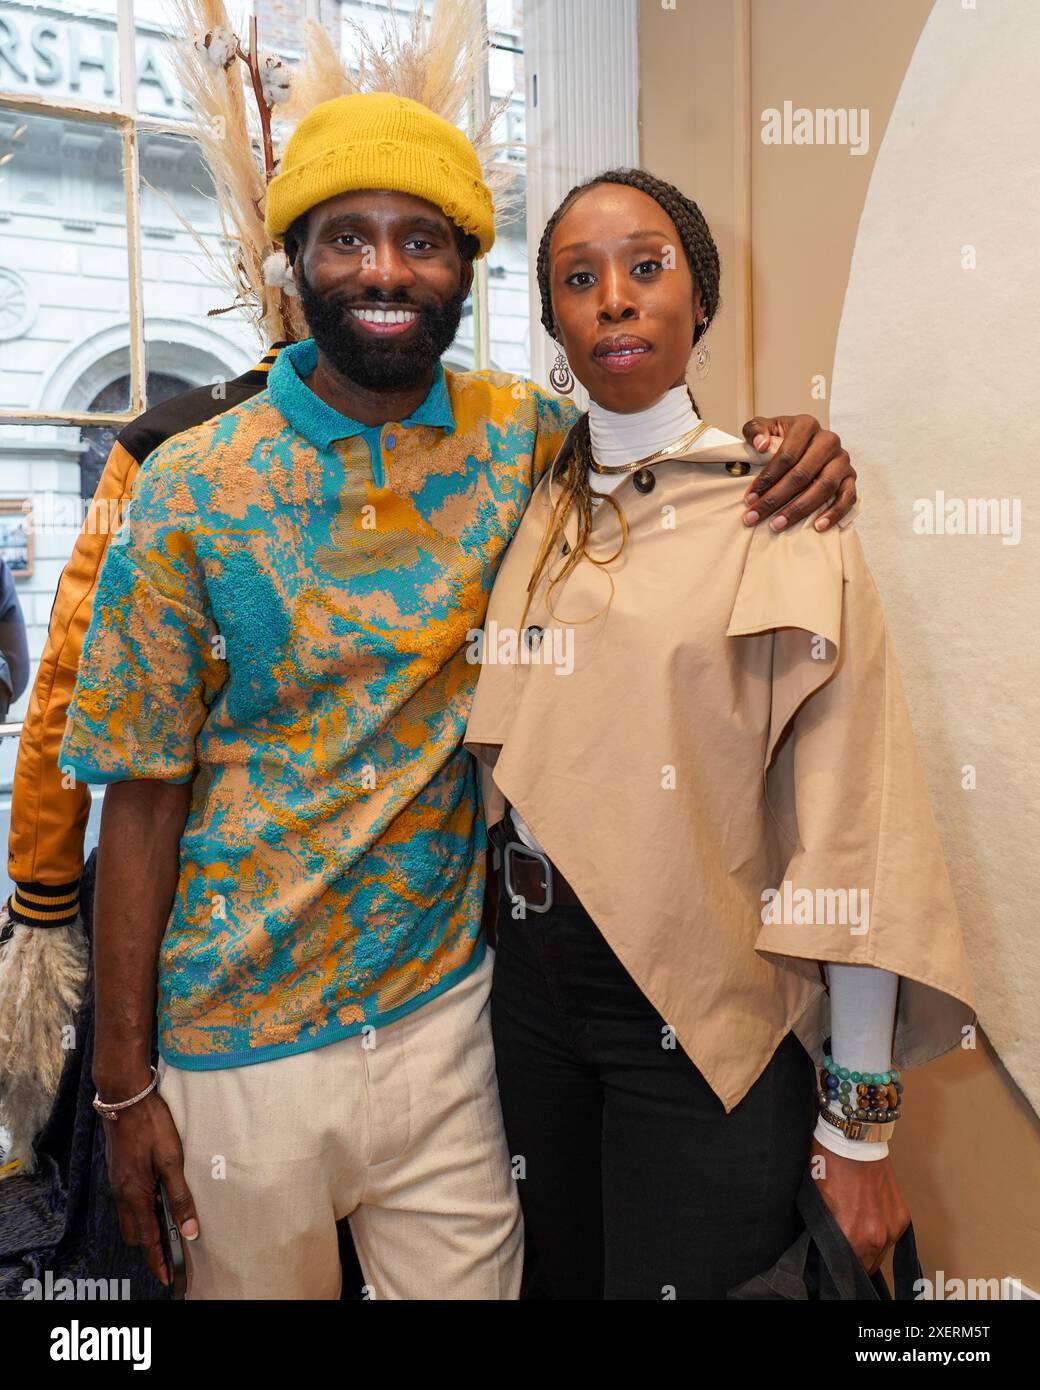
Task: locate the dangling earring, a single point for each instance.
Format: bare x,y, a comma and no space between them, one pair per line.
560,377
702,357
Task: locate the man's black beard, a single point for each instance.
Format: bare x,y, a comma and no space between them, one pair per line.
363,359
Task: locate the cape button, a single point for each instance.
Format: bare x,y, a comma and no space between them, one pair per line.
740,468
533,637
644,480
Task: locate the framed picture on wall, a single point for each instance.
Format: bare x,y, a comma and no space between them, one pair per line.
16,547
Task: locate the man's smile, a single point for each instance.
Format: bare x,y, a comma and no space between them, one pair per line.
385,323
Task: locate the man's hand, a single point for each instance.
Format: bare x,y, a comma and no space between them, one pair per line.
143,1147
809,468
866,1202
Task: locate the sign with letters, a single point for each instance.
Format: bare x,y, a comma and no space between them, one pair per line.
47,52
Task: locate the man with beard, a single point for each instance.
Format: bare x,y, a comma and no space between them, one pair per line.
276,680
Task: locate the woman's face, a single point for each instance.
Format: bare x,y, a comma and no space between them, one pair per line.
618,271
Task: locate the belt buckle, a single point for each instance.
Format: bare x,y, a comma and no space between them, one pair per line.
508,877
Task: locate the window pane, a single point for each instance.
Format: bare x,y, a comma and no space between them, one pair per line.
49,53
186,345
158,91
64,325
373,16
508,268
279,23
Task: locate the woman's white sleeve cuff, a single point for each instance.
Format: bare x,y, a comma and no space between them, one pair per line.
865,1150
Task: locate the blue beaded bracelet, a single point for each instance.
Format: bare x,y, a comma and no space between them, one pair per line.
879,1095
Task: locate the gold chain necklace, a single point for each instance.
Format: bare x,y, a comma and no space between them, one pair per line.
678,447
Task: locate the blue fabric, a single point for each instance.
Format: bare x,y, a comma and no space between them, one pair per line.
14,648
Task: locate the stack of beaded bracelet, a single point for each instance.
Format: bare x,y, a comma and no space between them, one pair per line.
879,1095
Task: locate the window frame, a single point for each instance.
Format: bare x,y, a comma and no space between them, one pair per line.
124,118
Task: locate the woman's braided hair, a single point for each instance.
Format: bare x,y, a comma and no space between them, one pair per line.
703,259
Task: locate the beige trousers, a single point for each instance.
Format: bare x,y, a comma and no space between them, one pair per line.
403,1135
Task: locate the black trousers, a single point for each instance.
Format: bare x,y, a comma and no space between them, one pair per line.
634,1182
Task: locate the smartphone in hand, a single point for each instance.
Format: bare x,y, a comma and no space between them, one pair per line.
172,1244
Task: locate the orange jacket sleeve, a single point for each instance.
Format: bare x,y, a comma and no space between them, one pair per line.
49,811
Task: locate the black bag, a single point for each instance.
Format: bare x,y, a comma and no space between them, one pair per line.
822,1264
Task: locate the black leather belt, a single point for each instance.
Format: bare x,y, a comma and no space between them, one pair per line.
528,873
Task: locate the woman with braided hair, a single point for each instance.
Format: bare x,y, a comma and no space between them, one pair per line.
719,865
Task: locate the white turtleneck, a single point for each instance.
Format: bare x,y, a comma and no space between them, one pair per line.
863,998
618,439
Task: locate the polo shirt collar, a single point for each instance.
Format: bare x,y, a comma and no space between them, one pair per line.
318,421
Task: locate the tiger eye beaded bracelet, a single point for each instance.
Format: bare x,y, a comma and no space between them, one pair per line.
879,1095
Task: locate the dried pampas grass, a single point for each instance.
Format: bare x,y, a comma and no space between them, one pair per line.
43,976
436,62
228,132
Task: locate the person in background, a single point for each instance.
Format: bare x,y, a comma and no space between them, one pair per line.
14,649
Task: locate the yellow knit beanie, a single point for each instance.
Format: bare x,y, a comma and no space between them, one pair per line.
380,140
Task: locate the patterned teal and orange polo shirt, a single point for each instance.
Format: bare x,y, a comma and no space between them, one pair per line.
284,619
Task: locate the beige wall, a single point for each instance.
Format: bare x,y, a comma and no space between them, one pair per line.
785,220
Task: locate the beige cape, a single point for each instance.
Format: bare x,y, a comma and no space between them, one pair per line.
722,765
